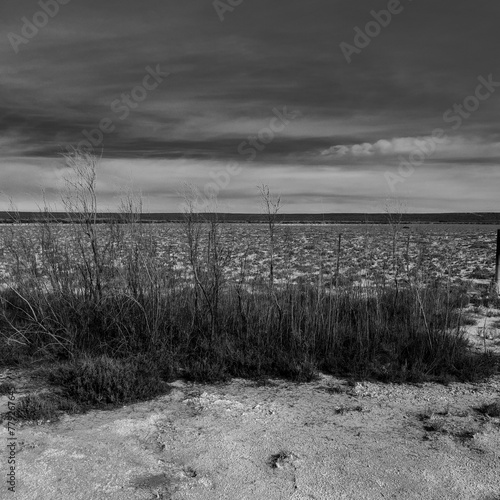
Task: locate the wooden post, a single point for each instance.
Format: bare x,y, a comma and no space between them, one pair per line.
338,264
497,263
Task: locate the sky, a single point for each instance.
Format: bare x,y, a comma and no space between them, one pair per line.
336,105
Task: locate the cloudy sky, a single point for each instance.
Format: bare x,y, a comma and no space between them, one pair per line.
334,106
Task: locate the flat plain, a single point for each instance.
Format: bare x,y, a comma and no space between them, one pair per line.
327,438
460,253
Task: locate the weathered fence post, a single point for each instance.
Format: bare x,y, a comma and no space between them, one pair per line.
338,264
497,263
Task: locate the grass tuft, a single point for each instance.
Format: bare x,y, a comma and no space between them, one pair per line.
36,408
491,410
6,388
106,381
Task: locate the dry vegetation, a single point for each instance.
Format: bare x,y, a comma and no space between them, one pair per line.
119,307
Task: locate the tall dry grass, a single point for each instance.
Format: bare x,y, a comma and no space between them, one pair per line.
91,290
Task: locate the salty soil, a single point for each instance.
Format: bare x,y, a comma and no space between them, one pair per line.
322,440
328,439
461,253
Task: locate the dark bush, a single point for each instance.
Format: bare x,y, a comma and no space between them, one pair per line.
96,381
36,407
6,388
491,410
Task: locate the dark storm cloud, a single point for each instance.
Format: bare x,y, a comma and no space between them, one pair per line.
226,78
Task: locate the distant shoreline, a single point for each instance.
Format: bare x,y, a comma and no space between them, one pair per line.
487,218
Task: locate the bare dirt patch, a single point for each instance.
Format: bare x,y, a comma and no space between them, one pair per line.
327,439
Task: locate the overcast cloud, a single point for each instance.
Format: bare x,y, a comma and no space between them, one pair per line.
220,83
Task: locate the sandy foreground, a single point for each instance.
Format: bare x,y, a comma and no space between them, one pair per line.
328,439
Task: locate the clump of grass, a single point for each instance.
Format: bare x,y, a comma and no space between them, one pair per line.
491,410
479,273
464,435
434,425
265,382
278,460
36,407
203,370
433,421
98,381
297,370
341,410
335,389
6,388
468,321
